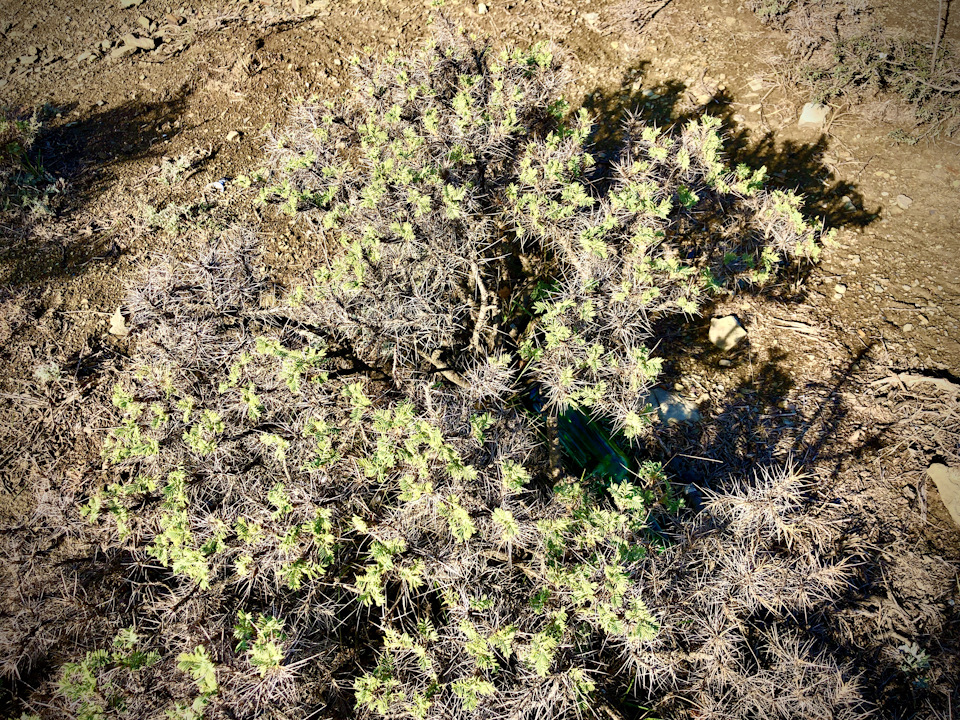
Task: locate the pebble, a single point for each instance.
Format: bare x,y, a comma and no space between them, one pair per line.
124,4
908,327
725,363
813,115
840,289
947,480
726,332
482,9
904,202
123,51
232,135
118,325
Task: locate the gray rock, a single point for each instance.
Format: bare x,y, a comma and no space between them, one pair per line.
726,332
947,480
124,4
904,202
672,408
813,116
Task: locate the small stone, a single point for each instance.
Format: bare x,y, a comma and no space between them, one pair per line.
726,332
123,51
144,43
756,85
591,17
482,9
813,116
106,44
84,56
671,408
232,135
118,325
725,363
908,327
947,480
730,20
840,289
144,22
27,59
125,4
904,202
704,99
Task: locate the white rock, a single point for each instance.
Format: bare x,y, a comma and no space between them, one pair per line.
947,480
482,9
813,116
904,202
726,332
671,408
118,325
232,135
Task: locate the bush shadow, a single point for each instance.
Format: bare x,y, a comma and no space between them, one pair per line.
790,165
84,158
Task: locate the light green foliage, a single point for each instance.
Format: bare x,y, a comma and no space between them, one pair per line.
262,640
199,666
89,684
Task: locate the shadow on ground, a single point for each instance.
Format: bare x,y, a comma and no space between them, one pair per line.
87,156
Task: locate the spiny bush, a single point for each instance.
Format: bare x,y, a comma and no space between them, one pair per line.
343,504
463,223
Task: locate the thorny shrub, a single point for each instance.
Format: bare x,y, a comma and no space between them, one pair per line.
343,504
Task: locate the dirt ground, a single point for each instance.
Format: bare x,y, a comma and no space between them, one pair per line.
814,380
